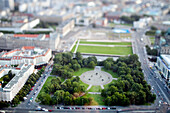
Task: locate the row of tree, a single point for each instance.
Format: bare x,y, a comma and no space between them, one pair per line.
130,88
67,93
25,89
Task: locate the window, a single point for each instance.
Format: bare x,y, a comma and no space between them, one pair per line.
163,70
159,63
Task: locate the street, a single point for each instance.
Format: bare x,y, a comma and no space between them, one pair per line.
151,77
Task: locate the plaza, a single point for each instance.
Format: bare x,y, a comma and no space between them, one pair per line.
96,77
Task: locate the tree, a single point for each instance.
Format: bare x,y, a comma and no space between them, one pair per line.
108,101
107,65
76,67
67,100
113,89
78,56
136,87
153,28
91,64
46,99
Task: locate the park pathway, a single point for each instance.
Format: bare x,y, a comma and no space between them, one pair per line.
77,46
95,93
89,87
105,45
102,86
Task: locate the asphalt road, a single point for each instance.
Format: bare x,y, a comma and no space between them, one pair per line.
30,101
157,84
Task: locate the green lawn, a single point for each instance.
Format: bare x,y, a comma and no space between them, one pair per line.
113,24
152,39
114,75
46,82
81,71
98,99
73,49
105,50
95,89
106,43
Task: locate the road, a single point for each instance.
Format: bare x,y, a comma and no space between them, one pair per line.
158,87
30,101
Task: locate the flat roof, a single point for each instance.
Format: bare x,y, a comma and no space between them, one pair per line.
16,77
166,58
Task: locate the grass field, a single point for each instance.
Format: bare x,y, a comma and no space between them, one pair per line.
98,99
106,43
46,82
114,75
95,89
81,71
152,39
105,50
73,49
113,24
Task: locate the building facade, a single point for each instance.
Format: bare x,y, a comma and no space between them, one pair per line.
163,64
26,55
65,27
22,72
19,40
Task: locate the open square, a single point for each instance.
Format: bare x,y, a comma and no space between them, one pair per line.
96,77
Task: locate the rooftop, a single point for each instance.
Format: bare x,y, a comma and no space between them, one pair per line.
26,51
17,77
166,59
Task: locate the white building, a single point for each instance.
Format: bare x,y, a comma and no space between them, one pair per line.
19,24
101,22
139,24
38,40
163,64
26,55
84,21
142,22
65,27
22,72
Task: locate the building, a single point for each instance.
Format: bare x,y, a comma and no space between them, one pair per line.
142,22
84,21
101,22
13,41
26,55
163,64
22,72
165,48
54,16
6,4
138,24
111,16
18,24
65,27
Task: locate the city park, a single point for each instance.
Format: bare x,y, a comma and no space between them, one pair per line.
85,81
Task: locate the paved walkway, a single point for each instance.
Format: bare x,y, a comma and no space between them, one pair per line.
89,87
94,93
105,45
102,86
77,46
